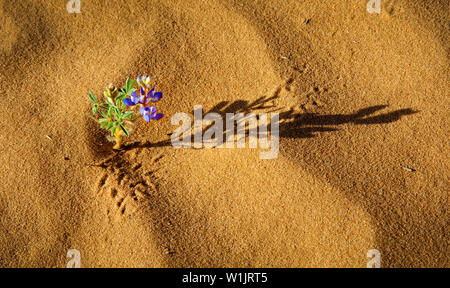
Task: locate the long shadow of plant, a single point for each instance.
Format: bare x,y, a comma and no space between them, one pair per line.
293,124
306,124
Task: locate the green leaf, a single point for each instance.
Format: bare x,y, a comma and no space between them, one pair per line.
110,110
114,128
95,109
129,85
124,130
127,114
117,112
93,99
119,101
132,84
110,125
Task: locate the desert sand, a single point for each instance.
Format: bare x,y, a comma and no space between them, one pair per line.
363,161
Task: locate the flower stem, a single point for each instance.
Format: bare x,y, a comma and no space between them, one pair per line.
118,137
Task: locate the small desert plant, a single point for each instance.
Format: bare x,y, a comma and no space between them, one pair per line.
116,113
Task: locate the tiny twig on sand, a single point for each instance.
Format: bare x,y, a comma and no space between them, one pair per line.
409,169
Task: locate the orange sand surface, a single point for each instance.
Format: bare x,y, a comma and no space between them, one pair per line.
362,100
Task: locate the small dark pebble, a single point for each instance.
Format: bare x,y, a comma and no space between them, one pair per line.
307,21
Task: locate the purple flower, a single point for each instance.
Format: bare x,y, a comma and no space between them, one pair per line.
143,98
149,113
135,99
154,96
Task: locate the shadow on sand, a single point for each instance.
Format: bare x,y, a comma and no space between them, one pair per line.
294,124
